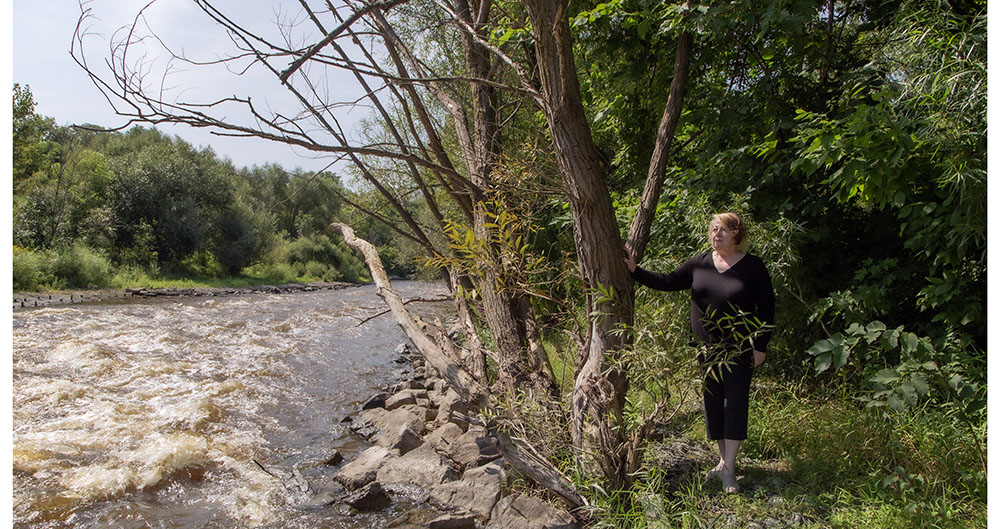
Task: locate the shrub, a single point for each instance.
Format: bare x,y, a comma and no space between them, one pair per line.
31,269
78,266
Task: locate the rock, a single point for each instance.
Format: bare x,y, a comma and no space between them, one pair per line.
401,438
367,423
425,414
450,401
404,397
451,417
415,384
377,401
423,467
478,491
379,420
335,459
418,518
453,521
400,398
444,438
473,449
402,349
363,469
370,498
522,511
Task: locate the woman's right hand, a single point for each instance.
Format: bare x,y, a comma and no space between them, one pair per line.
629,261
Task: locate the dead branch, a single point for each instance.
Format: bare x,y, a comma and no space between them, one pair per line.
421,300
463,383
297,63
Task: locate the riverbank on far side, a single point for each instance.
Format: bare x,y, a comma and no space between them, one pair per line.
27,300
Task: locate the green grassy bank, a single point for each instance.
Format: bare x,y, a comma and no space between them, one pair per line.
815,458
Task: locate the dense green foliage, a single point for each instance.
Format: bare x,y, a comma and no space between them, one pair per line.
856,147
95,209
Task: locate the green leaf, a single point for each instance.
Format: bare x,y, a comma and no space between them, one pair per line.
840,354
823,362
876,326
919,383
885,376
895,403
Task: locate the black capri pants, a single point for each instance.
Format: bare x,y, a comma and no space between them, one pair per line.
727,396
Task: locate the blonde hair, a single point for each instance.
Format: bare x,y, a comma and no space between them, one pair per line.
732,222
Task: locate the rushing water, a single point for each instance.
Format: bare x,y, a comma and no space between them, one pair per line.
156,413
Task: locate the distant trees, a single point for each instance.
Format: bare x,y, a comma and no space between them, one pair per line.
143,200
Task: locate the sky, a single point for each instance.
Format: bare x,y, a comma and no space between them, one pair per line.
43,34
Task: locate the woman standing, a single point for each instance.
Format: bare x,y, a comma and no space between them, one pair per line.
732,310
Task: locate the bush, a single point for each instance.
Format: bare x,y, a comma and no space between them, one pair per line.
78,266
272,272
31,269
74,266
202,263
313,256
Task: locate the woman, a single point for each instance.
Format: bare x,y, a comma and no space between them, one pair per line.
732,309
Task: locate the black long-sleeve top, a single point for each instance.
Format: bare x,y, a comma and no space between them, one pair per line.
746,287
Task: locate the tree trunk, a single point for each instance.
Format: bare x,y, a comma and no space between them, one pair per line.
504,310
638,233
599,391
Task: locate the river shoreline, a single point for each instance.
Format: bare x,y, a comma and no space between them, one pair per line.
30,300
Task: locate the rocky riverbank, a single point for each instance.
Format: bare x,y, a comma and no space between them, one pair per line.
26,300
423,447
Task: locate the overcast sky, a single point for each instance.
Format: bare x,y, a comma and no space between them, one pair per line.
43,33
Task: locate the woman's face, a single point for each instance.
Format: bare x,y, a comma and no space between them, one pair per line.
722,238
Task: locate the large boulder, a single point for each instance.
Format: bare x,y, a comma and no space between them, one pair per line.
376,401
378,420
363,469
477,492
522,511
423,467
425,413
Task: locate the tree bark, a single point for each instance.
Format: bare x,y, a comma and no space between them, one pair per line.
638,234
599,390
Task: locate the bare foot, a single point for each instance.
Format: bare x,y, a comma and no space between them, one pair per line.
729,483
714,473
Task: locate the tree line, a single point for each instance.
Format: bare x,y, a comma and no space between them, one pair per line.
88,205
520,146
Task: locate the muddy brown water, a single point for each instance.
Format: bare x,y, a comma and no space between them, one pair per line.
155,413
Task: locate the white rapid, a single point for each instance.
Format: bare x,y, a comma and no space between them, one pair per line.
153,413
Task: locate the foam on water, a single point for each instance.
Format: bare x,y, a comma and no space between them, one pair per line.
154,413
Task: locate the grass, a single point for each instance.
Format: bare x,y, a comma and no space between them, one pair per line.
815,458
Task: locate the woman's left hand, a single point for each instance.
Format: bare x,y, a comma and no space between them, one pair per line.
758,357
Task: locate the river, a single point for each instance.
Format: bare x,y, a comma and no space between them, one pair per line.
156,413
